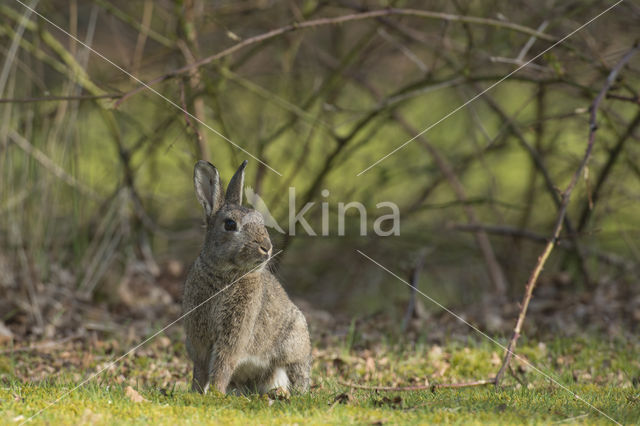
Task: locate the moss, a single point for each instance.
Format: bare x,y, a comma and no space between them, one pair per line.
6,366
103,401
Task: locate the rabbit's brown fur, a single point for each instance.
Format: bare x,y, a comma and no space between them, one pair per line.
250,336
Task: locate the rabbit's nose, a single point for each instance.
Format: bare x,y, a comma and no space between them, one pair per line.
265,247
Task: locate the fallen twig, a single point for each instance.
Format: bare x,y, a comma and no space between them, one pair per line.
432,387
385,388
464,384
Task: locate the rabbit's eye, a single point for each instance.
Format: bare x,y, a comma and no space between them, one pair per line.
230,225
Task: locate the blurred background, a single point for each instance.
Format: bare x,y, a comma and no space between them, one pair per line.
99,221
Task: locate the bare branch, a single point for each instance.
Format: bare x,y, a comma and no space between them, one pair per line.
339,20
606,170
566,196
60,98
632,99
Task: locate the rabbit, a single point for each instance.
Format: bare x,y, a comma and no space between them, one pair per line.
250,337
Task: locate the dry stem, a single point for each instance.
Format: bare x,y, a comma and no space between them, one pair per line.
566,196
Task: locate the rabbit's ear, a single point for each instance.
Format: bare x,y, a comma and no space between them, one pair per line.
208,187
234,190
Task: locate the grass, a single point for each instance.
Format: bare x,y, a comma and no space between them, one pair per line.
603,373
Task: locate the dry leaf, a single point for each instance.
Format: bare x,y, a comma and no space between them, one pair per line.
133,395
435,353
163,341
370,365
495,359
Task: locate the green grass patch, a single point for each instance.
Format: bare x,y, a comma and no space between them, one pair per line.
604,374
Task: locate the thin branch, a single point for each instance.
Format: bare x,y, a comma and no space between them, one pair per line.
188,45
199,139
551,188
606,170
509,231
414,278
566,196
74,70
500,230
494,269
59,98
133,22
633,99
339,20
49,165
147,15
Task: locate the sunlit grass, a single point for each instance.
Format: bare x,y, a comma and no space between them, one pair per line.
600,373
